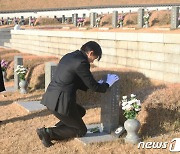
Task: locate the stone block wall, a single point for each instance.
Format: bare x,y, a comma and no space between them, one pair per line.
157,55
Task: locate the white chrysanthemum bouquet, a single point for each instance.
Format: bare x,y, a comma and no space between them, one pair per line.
21,71
131,107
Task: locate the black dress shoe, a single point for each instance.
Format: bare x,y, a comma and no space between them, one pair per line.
44,137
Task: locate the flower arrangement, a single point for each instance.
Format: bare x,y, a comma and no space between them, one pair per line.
4,65
120,19
21,71
131,107
98,19
80,21
146,18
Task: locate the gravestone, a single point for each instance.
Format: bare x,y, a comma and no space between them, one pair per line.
72,18
174,17
84,15
114,19
110,108
50,68
63,19
75,19
92,19
140,18
18,60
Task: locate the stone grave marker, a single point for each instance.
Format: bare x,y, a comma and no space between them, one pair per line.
92,19
50,68
140,18
110,108
72,18
63,19
75,19
174,17
114,19
18,60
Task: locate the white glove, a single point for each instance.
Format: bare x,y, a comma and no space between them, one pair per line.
100,81
111,79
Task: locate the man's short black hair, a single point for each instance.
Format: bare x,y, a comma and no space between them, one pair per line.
92,46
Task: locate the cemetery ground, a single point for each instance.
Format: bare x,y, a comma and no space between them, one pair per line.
159,116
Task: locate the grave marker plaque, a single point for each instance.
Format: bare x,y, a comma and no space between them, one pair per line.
50,68
75,19
63,19
140,18
115,19
92,19
174,17
110,108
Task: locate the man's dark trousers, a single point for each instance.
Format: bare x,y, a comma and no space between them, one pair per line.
69,126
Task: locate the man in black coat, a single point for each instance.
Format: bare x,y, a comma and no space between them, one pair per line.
2,88
72,73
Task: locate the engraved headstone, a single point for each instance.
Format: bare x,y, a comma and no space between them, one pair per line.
50,68
114,19
63,19
174,17
18,60
75,19
72,18
110,108
84,15
92,19
140,18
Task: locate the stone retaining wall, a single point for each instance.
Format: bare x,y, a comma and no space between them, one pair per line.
157,55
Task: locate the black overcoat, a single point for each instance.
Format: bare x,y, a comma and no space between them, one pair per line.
72,73
2,88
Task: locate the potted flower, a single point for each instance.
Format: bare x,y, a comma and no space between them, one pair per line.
21,71
120,20
4,66
132,125
80,22
98,19
146,20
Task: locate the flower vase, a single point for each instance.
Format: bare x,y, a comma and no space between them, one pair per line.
22,85
121,24
132,127
4,75
146,24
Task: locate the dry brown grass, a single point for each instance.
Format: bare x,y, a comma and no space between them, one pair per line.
40,4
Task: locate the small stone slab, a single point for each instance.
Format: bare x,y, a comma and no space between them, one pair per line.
9,89
32,106
66,28
162,29
104,28
95,137
128,28
82,28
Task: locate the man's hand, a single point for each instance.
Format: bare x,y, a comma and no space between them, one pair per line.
111,79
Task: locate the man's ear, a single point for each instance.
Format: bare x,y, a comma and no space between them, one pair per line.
91,53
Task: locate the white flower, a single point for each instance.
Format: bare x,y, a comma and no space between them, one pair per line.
124,103
132,101
127,107
137,109
124,97
132,95
138,102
